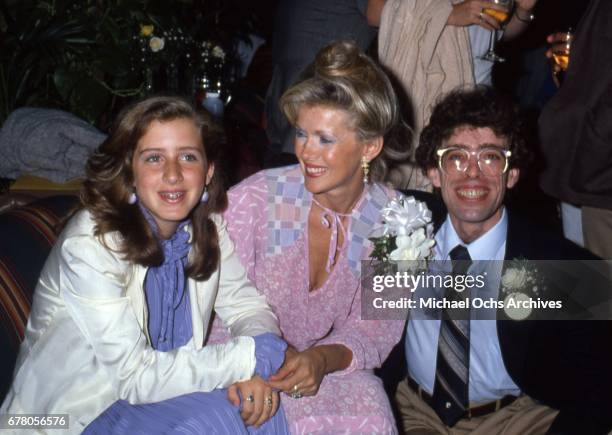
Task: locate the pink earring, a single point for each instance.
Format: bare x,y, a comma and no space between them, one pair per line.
205,195
133,198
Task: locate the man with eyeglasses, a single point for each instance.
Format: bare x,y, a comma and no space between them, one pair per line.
496,376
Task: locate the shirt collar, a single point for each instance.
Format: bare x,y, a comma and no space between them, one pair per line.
486,247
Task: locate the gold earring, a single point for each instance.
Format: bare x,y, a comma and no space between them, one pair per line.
365,165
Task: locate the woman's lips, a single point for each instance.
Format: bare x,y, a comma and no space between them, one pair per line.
314,171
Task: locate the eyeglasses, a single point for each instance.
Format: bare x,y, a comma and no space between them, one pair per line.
492,161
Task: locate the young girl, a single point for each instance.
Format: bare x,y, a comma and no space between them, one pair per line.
124,301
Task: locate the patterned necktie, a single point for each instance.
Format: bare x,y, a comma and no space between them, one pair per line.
450,395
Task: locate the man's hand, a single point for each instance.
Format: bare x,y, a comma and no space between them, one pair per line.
259,400
471,12
559,43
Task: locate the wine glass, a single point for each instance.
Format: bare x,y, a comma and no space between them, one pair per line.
502,16
560,55
561,52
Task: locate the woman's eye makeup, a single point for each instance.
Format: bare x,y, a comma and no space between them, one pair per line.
323,139
327,140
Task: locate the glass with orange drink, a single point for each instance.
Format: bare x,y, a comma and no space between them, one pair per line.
501,15
561,51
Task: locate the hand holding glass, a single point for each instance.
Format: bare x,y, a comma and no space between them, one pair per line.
502,16
561,49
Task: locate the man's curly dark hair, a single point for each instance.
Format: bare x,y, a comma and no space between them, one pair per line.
477,107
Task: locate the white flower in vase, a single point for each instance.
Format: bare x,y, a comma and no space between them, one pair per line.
156,44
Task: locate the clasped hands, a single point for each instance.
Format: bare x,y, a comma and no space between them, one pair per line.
301,372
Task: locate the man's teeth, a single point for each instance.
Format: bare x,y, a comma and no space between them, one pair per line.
472,193
311,170
173,195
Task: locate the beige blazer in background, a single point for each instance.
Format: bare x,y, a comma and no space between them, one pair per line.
427,57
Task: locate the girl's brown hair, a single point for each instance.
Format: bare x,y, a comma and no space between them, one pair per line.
109,182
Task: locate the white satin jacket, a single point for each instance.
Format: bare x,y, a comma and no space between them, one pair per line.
87,345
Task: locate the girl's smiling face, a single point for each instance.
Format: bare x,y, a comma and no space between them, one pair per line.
170,171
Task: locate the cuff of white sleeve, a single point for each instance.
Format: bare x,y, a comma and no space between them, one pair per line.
246,356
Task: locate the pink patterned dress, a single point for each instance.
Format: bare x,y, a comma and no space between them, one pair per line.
267,220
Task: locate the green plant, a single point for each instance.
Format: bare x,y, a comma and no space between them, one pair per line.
81,55
65,54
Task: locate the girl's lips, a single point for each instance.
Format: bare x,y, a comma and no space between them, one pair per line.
172,197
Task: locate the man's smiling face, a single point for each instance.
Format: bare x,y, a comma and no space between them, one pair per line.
474,200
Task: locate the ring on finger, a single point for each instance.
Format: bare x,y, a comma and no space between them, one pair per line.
295,394
269,401
250,398
481,14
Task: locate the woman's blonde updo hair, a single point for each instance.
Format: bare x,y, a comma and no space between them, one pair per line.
343,77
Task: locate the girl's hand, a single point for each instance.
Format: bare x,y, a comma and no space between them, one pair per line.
258,401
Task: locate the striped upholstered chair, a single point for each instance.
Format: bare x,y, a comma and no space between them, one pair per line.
27,234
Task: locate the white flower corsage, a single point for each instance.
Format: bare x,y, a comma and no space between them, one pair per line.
520,283
407,232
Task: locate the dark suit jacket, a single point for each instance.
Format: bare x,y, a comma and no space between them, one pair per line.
566,365
576,124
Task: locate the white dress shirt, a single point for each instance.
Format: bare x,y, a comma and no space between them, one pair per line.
488,377
479,42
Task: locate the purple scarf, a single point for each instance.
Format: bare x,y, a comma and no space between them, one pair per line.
166,290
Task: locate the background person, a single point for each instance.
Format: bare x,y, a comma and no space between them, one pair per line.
575,130
435,46
301,29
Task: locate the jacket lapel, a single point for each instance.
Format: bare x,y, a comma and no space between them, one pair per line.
135,292
514,335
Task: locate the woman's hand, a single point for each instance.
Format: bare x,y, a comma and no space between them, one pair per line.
259,400
302,369
525,5
471,12
303,372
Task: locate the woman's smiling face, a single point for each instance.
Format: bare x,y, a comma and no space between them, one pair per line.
329,152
